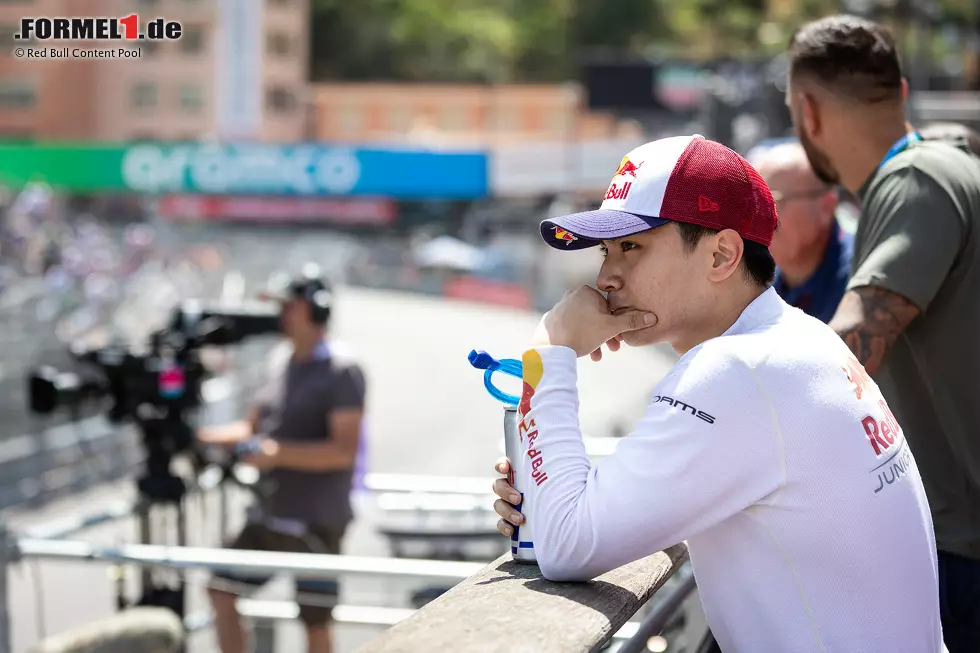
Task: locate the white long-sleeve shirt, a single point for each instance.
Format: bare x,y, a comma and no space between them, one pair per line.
772,453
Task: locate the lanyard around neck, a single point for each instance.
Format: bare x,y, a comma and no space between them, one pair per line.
900,146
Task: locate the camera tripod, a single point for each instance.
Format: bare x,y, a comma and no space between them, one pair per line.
161,495
161,513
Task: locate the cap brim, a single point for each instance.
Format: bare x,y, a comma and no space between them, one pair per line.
589,228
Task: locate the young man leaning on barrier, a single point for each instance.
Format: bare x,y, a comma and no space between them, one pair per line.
766,447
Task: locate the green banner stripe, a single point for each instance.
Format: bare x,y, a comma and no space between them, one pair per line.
74,168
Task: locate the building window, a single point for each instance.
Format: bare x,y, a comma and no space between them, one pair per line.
17,95
191,97
280,100
279,44
144,96
7,31
452,118
559,121
192,40
17,135
351,118
508,118
399,119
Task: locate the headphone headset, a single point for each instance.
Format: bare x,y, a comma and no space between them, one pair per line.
316,293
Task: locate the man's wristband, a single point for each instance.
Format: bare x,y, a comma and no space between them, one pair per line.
248,447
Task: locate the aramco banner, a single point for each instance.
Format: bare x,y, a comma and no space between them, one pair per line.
306,170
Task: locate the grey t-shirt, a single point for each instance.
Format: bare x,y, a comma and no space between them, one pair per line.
294,405
918,237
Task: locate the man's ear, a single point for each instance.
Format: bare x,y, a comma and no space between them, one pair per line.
812,120
905,90
726,253
828,203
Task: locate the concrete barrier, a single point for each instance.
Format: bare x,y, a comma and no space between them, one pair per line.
509,608
138,630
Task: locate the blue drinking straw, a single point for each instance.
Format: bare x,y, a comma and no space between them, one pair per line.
481,360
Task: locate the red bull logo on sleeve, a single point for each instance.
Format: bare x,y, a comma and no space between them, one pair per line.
533,371
564,234
857,375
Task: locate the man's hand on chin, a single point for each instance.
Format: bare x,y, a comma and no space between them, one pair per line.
582,322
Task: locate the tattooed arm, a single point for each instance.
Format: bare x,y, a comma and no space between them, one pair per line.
869,320
913,234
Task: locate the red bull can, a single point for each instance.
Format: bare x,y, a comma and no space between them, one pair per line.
521,542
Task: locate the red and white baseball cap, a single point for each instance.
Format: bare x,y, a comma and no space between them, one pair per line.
682,178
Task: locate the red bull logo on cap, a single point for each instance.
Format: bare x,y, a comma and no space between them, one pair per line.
615,193
627,167
564,234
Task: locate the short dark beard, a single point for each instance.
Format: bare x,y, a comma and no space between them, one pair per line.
820,162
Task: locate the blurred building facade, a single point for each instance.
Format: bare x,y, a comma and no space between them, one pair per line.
458,114
252,53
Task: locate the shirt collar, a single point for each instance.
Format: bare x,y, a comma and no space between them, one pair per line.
900,146
763,309
322,351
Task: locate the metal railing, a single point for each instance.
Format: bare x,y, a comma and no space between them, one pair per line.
256,563
46,542
313,566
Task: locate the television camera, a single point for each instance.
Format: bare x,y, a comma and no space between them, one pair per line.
156,388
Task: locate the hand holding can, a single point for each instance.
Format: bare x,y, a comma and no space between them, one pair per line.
509,502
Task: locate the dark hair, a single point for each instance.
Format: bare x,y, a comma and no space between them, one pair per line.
851,56
757,261
952,132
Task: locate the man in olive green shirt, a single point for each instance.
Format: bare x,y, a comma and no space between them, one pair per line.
911,312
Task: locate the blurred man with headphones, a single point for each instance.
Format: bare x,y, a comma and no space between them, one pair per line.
302,433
